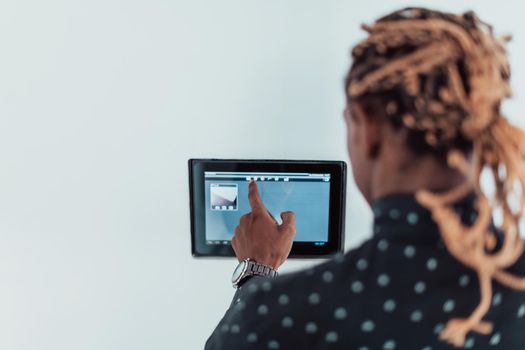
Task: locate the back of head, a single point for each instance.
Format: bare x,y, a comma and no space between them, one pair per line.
443,77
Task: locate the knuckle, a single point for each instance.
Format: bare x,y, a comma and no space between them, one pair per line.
291,230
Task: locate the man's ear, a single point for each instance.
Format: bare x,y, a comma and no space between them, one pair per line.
372,128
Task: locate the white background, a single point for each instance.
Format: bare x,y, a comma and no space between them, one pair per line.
101,104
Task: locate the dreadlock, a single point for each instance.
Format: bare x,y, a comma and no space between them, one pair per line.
443,77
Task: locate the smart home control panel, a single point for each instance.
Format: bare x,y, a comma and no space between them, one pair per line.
313,190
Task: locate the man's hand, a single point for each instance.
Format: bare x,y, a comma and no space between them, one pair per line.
260,237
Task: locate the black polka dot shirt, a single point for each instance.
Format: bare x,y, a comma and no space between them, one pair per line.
396,291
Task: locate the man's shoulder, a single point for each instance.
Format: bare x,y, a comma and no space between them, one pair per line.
267,311
301,284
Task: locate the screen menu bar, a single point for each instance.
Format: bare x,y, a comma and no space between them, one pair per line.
265,176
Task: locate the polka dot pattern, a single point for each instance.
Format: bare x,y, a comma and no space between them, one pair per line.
439,328
314,298
382,245
251,338
394,213
383,280
416,316
262,309
287,322
273,344
283,299
432,264
409,251
389,305
495,339
389,345
497,299
241,305
367,326
464,280
469,343
331,337
362,264
235,328
328,276
311,327
340,313
412,218
449,306
266,286
420,287
521,311
357,286
395,284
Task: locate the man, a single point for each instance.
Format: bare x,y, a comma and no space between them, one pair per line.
423,120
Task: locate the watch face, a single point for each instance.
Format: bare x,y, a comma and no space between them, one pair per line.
238,271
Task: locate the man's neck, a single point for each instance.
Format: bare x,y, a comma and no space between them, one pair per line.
425,174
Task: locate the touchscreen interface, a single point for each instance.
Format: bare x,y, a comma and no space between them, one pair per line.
306,194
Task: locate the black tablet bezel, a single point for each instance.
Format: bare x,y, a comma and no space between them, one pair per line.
336,222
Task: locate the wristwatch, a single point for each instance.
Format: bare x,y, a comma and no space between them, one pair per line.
249,267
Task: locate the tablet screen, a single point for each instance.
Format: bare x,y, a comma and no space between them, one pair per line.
306,194
313,190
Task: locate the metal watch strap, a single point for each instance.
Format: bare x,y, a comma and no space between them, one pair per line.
255,268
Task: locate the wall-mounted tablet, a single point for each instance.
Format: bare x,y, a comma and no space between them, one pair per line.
314,190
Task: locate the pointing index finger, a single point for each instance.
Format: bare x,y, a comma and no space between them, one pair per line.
256,202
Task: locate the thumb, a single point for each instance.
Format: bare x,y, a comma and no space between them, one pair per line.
288,218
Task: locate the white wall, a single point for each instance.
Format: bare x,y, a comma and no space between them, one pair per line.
101,104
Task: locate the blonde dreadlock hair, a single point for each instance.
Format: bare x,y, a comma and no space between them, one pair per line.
443,77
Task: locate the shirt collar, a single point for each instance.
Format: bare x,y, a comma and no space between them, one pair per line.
402,215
